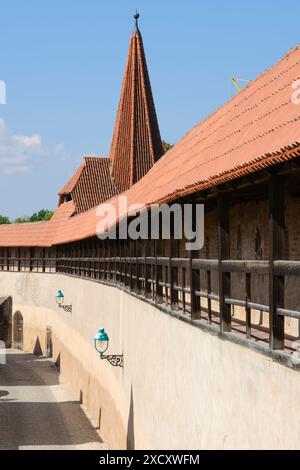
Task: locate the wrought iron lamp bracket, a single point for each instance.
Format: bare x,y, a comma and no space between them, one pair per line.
115,360
66,308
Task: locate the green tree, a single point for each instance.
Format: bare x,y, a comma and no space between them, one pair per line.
21,220
166,146
41,216
4,220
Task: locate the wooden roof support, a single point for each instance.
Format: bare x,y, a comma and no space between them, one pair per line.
277,252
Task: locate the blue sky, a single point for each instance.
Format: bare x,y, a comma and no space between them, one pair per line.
63,63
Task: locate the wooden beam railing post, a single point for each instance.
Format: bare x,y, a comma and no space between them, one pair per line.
18,261
208,284
173,271
276,252
223,254
30,260
131,267
138,266
147,267
194,276
7,259
248,310
158,273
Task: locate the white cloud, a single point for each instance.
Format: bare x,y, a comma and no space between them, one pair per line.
19,153
34,141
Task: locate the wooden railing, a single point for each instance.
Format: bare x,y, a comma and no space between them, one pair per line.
174,283
167,282
197,289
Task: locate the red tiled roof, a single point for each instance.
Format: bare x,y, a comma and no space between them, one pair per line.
69,187
259,127
91,185
136,144
36,234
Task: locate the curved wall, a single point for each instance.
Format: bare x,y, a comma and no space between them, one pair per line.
181,388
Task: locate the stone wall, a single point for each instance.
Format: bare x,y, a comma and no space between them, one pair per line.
181,388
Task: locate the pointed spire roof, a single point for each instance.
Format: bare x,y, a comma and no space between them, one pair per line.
136,144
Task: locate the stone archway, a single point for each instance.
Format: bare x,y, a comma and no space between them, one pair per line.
18,327
6,321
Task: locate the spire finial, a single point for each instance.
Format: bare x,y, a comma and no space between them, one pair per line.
136,17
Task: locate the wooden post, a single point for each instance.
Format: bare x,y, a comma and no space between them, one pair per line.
43,261
208,284
173,271
223,254
147,267
104,256
158,273
138,267
194,278
19,261
131,256
248,310
7,259
30,260
276,283
183,290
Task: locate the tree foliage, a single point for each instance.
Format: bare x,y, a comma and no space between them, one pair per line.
166,146
4,220
39,216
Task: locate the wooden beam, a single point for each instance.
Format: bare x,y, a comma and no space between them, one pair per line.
158,266
173,271
139,267
194,277
277,245
223,254
147,267
248,309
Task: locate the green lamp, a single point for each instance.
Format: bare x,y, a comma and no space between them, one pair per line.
59,297
101,341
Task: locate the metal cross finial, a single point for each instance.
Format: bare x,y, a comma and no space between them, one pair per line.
136,17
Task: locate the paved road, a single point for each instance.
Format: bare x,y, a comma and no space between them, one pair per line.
37,412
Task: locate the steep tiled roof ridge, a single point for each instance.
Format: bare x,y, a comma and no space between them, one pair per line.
95,185
69,186
91,184
136,143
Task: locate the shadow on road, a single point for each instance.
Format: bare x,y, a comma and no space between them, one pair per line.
36,410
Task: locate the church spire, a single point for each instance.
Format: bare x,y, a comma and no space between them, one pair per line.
136,17
136,144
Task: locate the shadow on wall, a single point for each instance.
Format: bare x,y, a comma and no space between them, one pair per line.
49,343
130,425
18,328
37,350
57,362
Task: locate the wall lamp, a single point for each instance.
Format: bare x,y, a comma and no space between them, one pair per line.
101,341
60,302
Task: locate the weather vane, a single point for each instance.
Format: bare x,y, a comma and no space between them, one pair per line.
136,17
